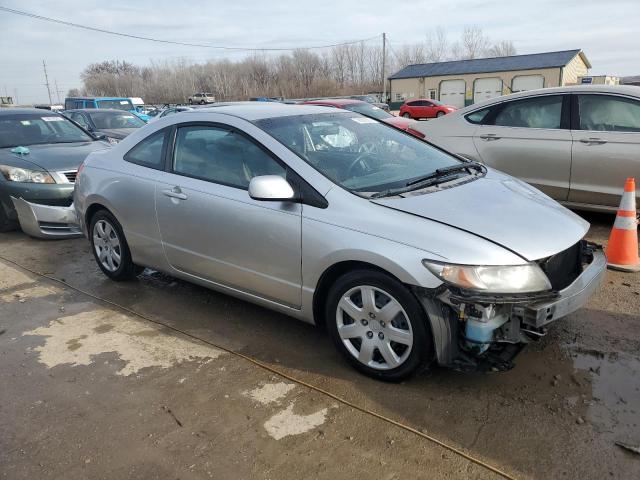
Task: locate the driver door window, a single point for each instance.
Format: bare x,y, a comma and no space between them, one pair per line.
221,156
80,120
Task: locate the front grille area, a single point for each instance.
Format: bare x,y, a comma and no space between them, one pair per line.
71,176
564,267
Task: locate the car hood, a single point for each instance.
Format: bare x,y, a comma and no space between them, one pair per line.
501,209
400,122
118,133
52,156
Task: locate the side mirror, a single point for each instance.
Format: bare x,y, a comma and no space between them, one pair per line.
99,136
270,188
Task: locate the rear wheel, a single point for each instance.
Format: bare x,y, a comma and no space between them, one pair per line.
202,102
378,325
406,115
110,248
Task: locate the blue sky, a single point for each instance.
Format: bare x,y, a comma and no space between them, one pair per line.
608,31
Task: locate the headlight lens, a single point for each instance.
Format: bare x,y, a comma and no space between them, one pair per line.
492,279
112,140
25,175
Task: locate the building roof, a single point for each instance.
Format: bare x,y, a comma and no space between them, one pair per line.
532,61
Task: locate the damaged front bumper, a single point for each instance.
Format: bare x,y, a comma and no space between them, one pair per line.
479,332
46,221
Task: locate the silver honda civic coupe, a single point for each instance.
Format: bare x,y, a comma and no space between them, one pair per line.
408,255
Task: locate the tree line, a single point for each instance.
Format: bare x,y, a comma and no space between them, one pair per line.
341,70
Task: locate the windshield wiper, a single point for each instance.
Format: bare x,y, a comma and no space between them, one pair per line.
438,176
444,171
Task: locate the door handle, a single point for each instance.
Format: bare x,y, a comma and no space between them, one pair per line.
175,192
593,141
489,136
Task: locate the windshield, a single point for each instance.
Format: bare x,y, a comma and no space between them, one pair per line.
356,152
368,110
115,104
33,129
108,120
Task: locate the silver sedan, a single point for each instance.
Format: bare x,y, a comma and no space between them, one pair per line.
407,254
577,144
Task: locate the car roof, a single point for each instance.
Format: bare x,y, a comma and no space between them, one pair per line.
23,111
258,110
615,89
91,110
338,102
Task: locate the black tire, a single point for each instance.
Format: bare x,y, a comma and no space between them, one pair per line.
421,351
406,115
126,269
202,102
439,114
6,224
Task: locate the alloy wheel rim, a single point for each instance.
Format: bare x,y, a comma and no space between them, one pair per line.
107,245
374,327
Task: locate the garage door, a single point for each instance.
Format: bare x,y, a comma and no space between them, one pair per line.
486,88
527,82
452,92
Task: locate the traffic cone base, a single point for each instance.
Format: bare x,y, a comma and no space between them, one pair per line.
622,249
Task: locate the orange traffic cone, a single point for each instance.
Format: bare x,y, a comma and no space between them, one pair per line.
622,250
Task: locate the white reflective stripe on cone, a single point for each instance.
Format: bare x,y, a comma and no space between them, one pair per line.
625,223
628,202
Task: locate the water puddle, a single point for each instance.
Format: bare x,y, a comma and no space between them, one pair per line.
615,405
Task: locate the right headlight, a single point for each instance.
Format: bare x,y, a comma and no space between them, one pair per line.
25,175
525,278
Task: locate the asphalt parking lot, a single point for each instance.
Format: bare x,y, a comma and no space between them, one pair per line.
155,390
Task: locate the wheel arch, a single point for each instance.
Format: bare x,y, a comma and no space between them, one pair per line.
328,278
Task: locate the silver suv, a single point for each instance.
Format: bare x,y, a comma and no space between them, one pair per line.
201,98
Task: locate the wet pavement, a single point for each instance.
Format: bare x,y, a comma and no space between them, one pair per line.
88,390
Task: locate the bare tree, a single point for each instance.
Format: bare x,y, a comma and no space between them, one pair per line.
473,44
437,45
503,48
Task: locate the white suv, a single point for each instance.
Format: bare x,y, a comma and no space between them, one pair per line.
201,98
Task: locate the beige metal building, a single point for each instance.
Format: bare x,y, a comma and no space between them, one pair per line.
463,82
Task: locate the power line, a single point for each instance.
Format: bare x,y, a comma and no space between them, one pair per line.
186,44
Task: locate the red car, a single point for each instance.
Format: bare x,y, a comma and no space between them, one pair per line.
425,108
368,110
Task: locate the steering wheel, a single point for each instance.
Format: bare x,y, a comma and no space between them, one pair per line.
360,160
368,147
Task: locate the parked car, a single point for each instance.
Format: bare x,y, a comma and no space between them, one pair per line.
40,152
201,98
369,110
577,144
170,111
114,124
113,103
406,253
372,100
425,108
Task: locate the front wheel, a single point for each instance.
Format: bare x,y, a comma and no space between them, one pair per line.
202,102
439,114
406,115
378,325
110,248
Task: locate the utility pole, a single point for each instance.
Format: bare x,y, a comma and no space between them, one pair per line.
384,61
55,82
46,78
